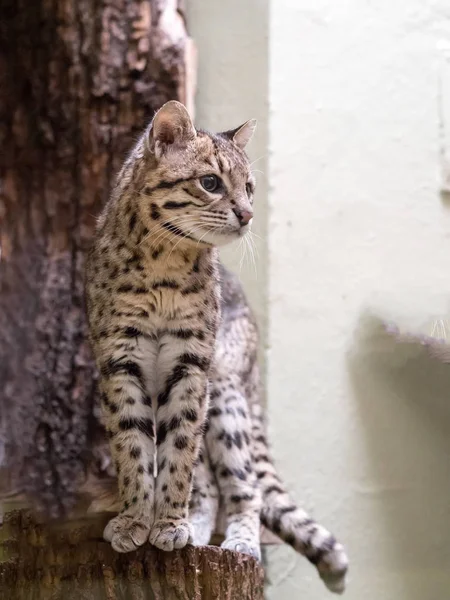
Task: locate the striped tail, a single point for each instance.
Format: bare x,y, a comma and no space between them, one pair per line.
292,524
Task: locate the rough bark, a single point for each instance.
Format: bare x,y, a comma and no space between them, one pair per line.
72,562
78,81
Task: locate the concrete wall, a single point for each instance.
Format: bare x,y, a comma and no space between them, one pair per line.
359,122
357,94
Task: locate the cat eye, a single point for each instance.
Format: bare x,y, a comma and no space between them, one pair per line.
249,189
211,183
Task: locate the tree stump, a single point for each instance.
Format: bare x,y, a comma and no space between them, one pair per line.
72,562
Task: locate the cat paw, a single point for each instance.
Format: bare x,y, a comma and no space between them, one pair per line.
333,569
243,546
127,532
171,535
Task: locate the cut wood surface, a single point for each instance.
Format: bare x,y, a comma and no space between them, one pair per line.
71,561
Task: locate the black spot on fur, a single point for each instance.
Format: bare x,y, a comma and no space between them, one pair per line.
236,498
198,196
178,373
174,423
190,414
193,359
167,185
125,289
135,452
286,509
273,488
177,231
181,442
261,458
171,204
183,334
131,332
161,433
132,223
196,267
240,474
195,288
214,411
157,252
116,366
154,212
143,425
165,283
275,526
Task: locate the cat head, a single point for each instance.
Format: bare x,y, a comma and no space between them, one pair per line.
199,186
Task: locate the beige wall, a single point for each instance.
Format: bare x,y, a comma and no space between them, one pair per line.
356,221
232,83
359,96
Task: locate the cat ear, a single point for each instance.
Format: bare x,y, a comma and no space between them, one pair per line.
171,126
242,134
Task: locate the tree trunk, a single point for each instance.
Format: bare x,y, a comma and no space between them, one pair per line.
73,563
78,81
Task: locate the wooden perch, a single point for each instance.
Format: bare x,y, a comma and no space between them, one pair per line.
71,561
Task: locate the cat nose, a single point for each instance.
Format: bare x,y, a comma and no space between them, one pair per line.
244,216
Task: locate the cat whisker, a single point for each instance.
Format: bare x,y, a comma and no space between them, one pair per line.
252,254
253,242
165,234
206,233
243,251
256,160
188,233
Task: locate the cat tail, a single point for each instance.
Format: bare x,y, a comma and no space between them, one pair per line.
289,522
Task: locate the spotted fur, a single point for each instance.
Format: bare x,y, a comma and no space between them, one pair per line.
175,344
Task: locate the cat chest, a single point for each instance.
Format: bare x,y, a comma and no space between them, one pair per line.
164,300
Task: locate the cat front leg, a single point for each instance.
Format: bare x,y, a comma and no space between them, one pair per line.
181,411
129,421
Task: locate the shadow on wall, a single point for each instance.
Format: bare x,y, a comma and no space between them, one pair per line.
403,395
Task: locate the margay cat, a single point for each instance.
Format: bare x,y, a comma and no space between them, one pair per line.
172,334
